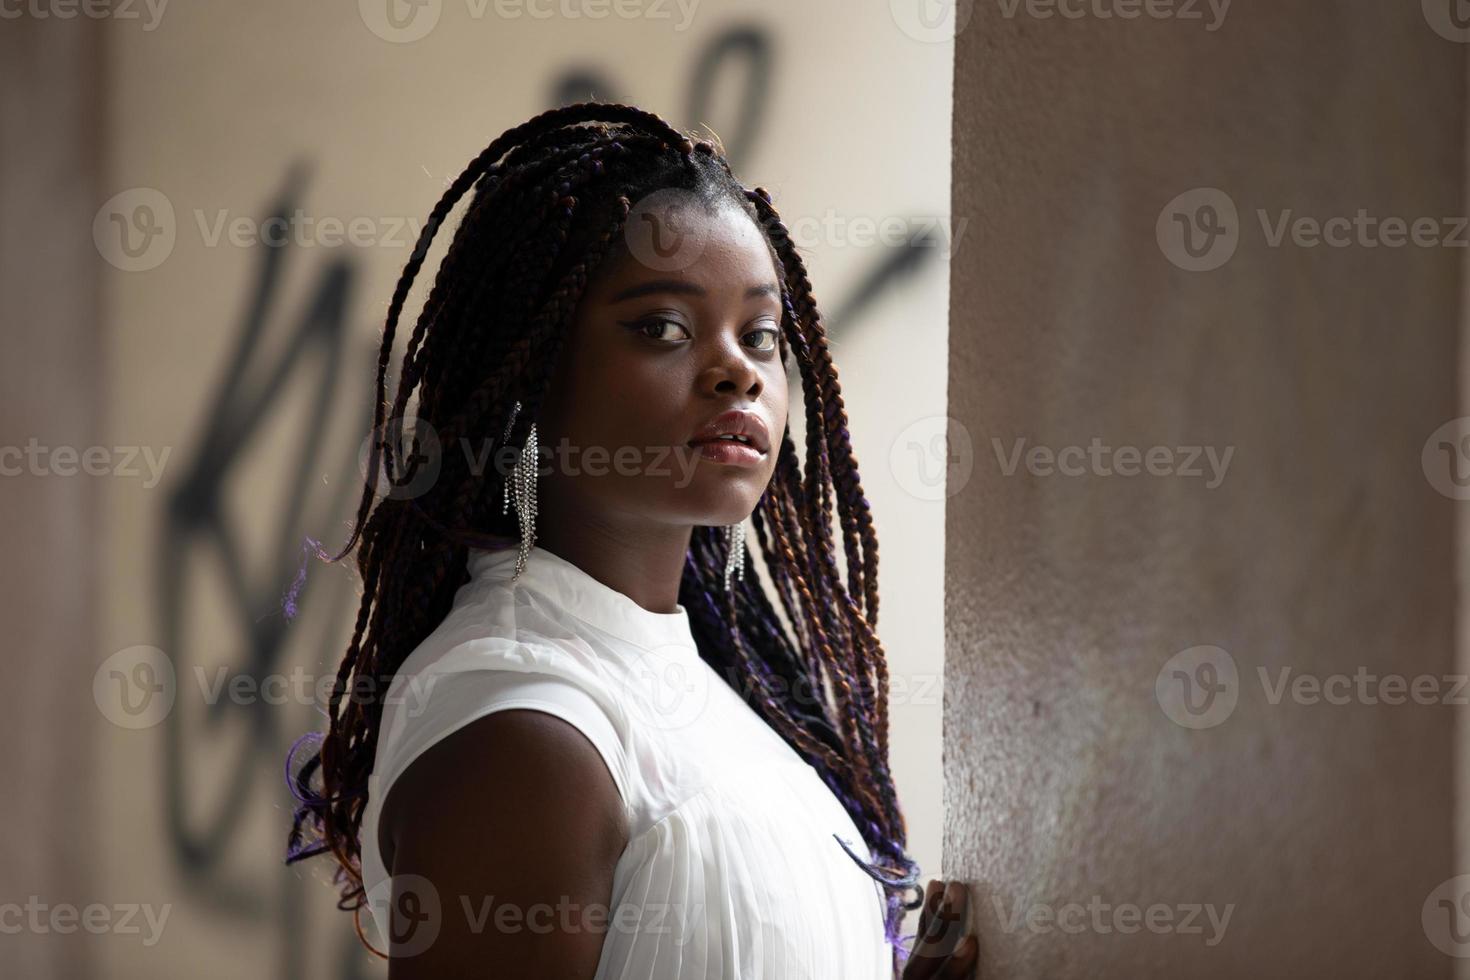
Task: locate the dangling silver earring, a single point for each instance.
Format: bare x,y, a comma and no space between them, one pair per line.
520,490
735,553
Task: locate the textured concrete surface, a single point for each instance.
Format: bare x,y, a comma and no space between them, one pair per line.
1322,827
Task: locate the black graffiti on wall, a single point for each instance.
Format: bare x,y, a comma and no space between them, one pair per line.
741,53
223,763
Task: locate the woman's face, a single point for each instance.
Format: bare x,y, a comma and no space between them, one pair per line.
658,349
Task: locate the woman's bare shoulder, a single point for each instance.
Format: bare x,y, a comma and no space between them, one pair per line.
511,813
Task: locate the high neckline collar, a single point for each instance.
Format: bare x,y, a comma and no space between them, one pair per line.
579,594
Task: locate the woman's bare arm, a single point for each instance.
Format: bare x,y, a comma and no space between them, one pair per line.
516,825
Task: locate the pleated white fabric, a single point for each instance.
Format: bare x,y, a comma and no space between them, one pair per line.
731,871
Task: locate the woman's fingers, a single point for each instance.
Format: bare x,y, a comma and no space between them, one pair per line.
938,951
919,966
961,966
931,904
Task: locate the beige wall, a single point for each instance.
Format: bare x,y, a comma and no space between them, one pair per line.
210,108
1324,549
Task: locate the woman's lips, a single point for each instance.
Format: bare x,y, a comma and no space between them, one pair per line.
729,451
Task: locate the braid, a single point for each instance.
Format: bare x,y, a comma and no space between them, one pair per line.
551,199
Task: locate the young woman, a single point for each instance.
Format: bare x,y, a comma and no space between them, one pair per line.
602,751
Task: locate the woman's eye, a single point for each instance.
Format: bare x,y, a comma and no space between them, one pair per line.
653,328
773,338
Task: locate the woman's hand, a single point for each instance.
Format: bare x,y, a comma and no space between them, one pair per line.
939,952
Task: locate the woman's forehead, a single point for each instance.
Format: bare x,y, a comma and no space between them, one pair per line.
719,247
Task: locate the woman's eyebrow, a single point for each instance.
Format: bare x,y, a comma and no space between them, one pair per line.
688,288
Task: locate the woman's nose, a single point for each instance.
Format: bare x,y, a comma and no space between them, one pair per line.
732,372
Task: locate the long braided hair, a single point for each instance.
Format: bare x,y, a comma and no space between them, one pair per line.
551,199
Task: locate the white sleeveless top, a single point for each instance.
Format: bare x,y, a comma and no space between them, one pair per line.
731,871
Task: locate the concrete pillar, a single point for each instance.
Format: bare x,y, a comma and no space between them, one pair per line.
1314,366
